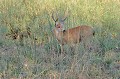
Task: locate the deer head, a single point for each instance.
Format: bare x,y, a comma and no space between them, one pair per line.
59,23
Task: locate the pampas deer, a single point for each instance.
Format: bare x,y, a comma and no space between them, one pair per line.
73,35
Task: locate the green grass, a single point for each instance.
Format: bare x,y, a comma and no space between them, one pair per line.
41,58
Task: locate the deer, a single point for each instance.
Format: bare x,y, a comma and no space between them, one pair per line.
73,35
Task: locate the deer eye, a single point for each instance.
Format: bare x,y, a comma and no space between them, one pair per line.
58,26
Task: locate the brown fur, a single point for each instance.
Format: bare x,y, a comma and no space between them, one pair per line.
74,35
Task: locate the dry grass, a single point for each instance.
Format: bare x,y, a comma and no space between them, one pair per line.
41,58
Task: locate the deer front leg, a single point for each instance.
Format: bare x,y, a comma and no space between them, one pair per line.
61,48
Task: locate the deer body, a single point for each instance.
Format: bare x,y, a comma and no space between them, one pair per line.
73,35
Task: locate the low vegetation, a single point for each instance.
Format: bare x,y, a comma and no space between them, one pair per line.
28,49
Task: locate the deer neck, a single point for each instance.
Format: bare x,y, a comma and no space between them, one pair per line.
59,34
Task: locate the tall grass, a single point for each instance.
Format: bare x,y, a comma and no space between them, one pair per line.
41,58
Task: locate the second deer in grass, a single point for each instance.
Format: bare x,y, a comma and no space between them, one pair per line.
73,35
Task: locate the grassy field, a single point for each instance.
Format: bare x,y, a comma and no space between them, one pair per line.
37,55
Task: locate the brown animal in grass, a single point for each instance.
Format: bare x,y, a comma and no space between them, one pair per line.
73,35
